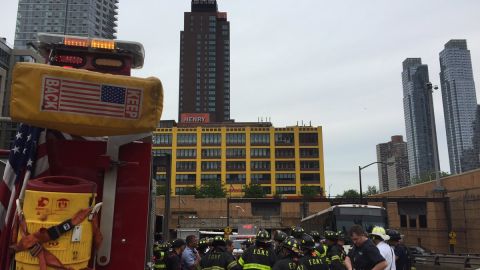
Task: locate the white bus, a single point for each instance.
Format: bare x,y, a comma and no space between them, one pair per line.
342,217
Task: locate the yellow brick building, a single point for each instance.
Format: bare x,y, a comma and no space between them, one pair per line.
281,160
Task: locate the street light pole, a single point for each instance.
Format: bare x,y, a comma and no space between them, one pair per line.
360,168
360,182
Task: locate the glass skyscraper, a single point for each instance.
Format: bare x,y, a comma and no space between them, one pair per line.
459,101
417,119
92,18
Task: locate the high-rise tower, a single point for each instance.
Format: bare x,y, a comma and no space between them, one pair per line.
205,64
393,172
459,100
71,17
418,123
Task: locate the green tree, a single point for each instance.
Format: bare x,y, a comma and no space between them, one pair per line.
371,190
427,177
351,193
211,189
309,192
253,191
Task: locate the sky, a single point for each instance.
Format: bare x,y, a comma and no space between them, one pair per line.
336,64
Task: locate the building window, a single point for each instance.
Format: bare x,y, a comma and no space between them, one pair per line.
260,139
161,178
211,165
186,153
260,153
211,153
185,179
309,165
186,166
310,178
161,152
412,222
422,221
236,178
260,165
235,139
186,139
267,190
309,153
162,139
185,191
236,153
212,139
286,190
211,177
259,179
308,138
235,165
285,153
284,139
285,178
285,165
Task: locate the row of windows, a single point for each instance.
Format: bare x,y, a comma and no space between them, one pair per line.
236,139
267,190
241,178
241,165
240,153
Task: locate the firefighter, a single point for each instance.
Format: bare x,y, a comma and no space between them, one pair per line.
259,256
174,259
160,251
202,246
402,261
310,259
334,251
290,255
218,257
279,237
320,247
341,243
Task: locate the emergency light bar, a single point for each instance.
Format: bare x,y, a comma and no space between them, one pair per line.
47,42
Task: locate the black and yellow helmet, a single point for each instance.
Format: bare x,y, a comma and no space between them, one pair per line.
218,241
307,241
297,232
162,246
316,235
292,244
330,235
262,236
203,242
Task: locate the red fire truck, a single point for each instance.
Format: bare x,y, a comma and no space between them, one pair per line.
119,165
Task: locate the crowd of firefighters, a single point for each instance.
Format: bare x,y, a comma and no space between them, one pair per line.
376,250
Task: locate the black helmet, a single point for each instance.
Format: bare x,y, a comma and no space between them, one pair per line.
218,241
316,235
329,235
297,232
262,236
280,236
292,244
394,235
307,241
203,243
162,246
341,235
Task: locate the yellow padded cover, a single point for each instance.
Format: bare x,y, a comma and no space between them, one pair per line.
84,103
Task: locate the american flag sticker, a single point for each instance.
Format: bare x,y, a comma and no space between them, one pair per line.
79,97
